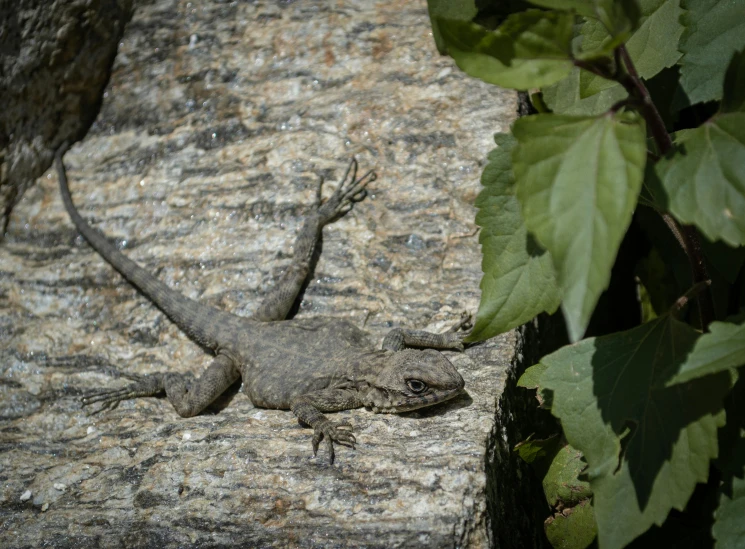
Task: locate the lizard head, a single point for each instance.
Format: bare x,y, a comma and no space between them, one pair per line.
413,379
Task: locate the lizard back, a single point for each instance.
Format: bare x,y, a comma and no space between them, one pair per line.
294,357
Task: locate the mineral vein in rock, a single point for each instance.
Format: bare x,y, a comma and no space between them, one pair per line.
309,366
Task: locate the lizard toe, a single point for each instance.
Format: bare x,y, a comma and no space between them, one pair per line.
349,191
110,398
103,396
106,405
332,456
339,433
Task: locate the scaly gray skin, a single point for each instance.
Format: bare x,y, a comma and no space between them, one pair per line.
309,366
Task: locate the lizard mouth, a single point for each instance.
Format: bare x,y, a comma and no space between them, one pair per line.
405,403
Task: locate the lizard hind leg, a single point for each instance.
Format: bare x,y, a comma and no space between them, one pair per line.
189,396
279,300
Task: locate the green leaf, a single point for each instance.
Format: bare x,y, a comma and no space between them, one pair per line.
733,98
648,312
561,483
720,349
596,43
530,49
563,97
578,179
573,528
581,7
531,378
646,445
652,47
535,450
729,526
618,16
705,178
714,30
459,10
519,280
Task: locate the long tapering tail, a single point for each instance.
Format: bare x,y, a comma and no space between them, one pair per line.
198,321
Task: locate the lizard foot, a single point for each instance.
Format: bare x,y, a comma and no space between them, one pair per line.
349,191
109,399
459,331
340,432
465,323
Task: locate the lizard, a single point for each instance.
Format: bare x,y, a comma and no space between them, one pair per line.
309,366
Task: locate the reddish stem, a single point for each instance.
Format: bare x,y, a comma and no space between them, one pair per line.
687,236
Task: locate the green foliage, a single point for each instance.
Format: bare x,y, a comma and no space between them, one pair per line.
458,10
560,465
587,8
719,350
646,445
618,17
577,181
645,412
573,528
564,97
705,178
733,99
652,46
532,450
531,48
519,278
561,482
729,526
714,30
531,378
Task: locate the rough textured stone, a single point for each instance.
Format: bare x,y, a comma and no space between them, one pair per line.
55,58
217,121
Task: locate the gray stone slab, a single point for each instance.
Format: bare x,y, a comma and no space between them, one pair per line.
218,120
55,57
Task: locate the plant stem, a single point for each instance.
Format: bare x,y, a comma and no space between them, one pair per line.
638,90
683,300
621,104
687,236
594,69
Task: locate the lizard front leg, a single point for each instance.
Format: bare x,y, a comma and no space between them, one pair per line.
401,338
188,396
308,409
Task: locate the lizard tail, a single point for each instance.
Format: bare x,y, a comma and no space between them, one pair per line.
182,310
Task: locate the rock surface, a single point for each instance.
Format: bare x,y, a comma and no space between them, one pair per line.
218,120
55,57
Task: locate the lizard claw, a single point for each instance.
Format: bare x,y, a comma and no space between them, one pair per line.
340,432
350,190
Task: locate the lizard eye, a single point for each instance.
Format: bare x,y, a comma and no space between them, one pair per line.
416,386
